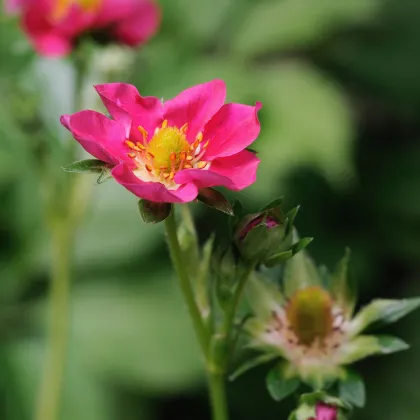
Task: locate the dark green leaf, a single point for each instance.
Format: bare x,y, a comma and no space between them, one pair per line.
152,212
352,389
215,200
281,383
90,166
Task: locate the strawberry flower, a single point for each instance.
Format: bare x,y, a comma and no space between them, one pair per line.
54,26
167,152
310,325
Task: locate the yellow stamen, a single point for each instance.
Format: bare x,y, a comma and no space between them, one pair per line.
148,167
202,164
184,128
130,144
143,132
165,123
199,137
62,7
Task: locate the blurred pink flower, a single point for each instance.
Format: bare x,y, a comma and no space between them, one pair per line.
53,26
167,152
325,412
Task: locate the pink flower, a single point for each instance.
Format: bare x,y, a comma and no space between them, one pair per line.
53,26
325,412
167,152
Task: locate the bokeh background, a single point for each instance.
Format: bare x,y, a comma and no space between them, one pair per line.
339,81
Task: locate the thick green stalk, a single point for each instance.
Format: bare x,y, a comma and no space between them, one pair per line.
48,405
217,390
184,282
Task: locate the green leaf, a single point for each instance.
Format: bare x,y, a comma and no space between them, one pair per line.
352,389
279,258
382,311
215,200
152,212
252,363
368,345
281,381
90,166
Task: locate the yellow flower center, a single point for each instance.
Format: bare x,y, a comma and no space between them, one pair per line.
62,7
167,152
309,313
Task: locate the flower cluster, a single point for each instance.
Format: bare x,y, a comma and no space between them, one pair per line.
167,152
53,26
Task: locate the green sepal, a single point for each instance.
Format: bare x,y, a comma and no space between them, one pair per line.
215,199
273,204
351,388
104,176
291,216
89,166
252,363
381,312
152,212
300,271
282,381
301,245
368,345
344,294
279,258
253,151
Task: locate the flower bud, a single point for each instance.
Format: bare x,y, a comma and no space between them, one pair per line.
267,237
320,406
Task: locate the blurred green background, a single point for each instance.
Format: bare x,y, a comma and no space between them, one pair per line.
339,83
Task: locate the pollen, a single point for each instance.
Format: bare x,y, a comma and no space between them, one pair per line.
61,7
310,316
167,153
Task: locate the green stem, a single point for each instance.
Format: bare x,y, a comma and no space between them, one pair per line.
49,398
218,396
231,312
184,282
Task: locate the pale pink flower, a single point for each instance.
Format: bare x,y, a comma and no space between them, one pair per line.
166,152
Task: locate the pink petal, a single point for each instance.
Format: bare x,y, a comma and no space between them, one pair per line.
325,412
124,103
52,45
99,136
233,172
195,106
153,191
232,129
141,24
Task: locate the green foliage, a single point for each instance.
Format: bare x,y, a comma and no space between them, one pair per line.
281,382
352,389
339,85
